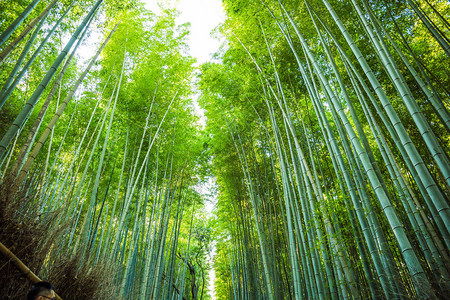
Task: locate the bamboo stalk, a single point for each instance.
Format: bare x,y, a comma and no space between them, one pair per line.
21,266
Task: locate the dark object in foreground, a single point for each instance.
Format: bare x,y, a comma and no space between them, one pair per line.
42,290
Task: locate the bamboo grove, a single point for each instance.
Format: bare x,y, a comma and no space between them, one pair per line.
337,113
327,134
104,150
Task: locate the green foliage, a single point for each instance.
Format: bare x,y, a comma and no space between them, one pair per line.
328,148
247,120
124,203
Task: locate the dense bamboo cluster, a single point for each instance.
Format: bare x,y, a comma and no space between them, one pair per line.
328,133
106,155
340,181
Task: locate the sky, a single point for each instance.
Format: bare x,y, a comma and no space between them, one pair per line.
204,16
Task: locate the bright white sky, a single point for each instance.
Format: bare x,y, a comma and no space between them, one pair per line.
204,16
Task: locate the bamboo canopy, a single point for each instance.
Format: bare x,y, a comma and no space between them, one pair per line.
308,159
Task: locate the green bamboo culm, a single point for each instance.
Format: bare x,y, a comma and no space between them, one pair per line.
7,33
17,124
50,126
7,84
393,248
26,147
4,54
9,87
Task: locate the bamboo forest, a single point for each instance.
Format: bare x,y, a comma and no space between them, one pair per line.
307,158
